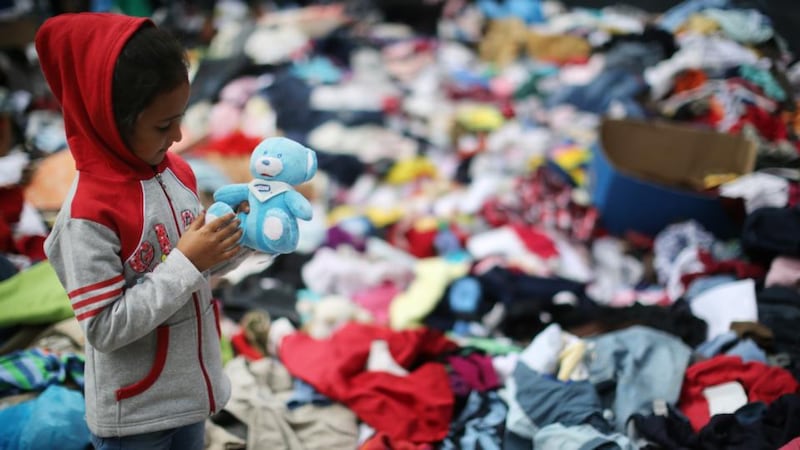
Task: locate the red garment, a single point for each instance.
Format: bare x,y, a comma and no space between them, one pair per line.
11,200
741,269
417,407
537,242
234,144
770,126
32,247
244,348
545,201
761,382
689,79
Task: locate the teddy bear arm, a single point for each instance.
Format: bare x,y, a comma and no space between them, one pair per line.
298,205
232,194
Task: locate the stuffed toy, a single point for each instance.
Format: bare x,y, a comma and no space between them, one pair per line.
277,165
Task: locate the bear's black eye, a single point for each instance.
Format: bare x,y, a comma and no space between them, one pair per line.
280,155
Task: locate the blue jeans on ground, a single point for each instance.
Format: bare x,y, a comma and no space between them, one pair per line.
189,437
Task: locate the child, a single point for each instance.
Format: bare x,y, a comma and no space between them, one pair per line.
130,244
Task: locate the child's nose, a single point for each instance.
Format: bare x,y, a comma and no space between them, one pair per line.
176,134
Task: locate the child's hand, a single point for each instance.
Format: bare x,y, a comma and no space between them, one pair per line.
243,207
208,244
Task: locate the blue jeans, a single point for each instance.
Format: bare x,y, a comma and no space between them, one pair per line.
189,437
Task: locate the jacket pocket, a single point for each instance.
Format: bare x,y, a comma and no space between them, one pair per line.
162,344
215,303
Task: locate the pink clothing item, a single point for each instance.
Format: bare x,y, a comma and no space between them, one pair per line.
794,444
473,372
376,300
784,271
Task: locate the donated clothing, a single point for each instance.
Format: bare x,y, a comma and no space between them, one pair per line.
421,402
635,367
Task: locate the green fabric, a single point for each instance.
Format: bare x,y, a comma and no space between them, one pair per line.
33,296
138,8
491,346
226,348
19,377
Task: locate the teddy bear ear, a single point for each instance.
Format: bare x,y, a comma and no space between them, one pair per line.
311,164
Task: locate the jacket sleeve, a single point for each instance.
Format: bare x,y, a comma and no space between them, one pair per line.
112,314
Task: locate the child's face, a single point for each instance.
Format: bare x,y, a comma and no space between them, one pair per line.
158,125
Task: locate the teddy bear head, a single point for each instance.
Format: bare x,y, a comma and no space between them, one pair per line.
282,159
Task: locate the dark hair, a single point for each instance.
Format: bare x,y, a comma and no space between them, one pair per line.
152,62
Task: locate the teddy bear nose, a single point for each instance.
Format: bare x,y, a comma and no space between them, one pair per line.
265,162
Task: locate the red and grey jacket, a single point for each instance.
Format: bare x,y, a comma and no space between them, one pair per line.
152,332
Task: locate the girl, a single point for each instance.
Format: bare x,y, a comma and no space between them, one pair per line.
130,244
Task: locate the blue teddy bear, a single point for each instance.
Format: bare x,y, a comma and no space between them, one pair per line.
277,164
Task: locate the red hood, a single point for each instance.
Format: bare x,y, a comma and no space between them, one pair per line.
78,53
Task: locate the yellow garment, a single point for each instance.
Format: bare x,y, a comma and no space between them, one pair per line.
432,276
698,23
534,162
503,41
408,170
382,217
573,161
559,48
715,179
341,213
480,118
569,358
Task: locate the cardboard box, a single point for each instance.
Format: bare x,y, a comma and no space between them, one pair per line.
646,175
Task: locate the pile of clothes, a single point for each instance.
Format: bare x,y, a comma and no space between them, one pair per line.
458,286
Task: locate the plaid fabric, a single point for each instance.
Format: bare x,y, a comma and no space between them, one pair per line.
543,199
34,370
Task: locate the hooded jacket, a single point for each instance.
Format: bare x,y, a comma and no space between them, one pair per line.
152,331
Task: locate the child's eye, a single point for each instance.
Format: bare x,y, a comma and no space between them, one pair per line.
163,129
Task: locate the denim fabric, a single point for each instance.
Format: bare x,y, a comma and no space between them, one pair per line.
480,424
748,350
634,56
579,437
513,441
729,344
304,394
647,365
547,400
612,85
519,427
675,16
189,437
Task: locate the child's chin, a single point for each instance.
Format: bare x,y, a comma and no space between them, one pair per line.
158,159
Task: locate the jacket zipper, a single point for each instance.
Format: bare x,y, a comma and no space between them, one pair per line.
212,405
